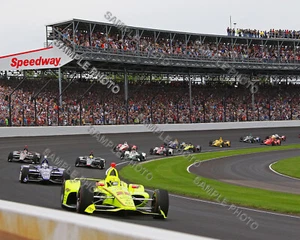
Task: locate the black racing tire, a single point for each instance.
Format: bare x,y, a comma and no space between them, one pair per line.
199,149
129,149
122,155
35,159
151,152
62,194
160,201
101,165
23,174
273,144
10,157
77,162
279,143
167,152
210,143
115,149
241,139
85,197
66,176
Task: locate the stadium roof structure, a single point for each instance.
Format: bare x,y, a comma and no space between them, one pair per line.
141,62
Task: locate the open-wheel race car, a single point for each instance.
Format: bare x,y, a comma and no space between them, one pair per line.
122,147
163,150
220,143
90,161
89,195
24,156
277,137
189,147
133,155
43,173
250,139
172,144
271,141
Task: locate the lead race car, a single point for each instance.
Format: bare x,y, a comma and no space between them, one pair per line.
133,155
90,161
24,156
43,173
89,195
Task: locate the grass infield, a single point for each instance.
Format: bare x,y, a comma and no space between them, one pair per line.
288,166
171,174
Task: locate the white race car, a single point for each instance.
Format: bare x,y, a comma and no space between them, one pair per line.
133,155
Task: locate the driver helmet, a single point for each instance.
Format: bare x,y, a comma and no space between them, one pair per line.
91,154
45,165
133,148
25,148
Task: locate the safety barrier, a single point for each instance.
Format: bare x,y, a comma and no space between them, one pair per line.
20,221
139,128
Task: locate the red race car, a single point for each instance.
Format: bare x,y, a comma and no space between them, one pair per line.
271,141
122,147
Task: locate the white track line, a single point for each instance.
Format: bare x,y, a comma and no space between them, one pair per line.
283,175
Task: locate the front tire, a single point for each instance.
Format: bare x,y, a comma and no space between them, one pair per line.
10,157
160,202
66,176
151,151
77,162
85,198
24,175
62,195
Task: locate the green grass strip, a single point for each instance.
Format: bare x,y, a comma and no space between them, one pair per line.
171,174
288,166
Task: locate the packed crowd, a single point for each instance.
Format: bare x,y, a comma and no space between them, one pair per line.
179,48
272,33
148,102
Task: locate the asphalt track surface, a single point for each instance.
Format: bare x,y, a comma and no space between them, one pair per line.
185,215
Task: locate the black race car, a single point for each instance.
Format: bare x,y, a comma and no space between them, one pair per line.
90,161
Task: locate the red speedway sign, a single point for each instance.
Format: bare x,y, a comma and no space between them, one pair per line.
45,58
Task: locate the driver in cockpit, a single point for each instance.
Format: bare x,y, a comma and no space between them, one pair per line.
45,163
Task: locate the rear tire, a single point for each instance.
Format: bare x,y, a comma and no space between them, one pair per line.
210,143
35,159
24,175
160,202
10,157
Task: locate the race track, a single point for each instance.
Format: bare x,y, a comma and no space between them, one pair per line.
185,215
251,170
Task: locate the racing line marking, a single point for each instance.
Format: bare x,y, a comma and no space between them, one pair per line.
283,175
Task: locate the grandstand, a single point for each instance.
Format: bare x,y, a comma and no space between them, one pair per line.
165,77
